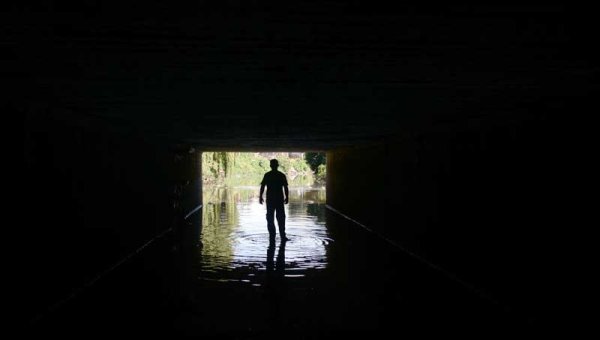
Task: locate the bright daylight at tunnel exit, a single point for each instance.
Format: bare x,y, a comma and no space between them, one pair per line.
234,234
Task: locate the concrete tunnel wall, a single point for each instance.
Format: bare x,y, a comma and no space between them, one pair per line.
99,195
473,198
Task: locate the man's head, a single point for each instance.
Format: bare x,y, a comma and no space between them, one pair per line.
274,164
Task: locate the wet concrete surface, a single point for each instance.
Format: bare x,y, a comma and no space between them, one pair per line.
332,278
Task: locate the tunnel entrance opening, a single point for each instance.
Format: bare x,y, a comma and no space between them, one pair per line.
235,232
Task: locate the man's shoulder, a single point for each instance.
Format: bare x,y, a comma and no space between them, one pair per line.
270,174
275,175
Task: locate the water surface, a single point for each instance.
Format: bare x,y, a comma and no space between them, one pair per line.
236,241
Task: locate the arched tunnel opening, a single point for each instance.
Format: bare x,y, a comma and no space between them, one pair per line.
447,136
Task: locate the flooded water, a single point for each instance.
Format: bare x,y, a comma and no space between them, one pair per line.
333,278
236,241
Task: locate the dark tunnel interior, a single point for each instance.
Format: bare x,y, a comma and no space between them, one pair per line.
447,131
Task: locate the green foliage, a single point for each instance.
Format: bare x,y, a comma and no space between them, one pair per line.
321,174
217,166
245,168
314,159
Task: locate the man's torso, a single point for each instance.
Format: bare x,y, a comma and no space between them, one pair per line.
274,181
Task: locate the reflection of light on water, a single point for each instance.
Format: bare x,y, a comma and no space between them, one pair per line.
237,241
306,246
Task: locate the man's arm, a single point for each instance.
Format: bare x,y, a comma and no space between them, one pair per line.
262,190
287,194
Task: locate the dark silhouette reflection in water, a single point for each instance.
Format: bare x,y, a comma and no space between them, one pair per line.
232,263
276,269
274,285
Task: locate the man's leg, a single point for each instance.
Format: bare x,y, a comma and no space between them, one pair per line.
281,220
271,219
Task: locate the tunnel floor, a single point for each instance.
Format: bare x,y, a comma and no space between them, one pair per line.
353,283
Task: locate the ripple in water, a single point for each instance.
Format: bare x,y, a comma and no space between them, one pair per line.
236,241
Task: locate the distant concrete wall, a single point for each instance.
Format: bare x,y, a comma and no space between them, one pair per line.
476,198
94,196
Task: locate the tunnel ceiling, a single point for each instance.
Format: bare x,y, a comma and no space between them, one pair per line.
310,77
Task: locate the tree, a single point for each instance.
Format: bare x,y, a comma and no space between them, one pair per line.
314,159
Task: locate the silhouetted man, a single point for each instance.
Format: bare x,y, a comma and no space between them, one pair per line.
276,183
